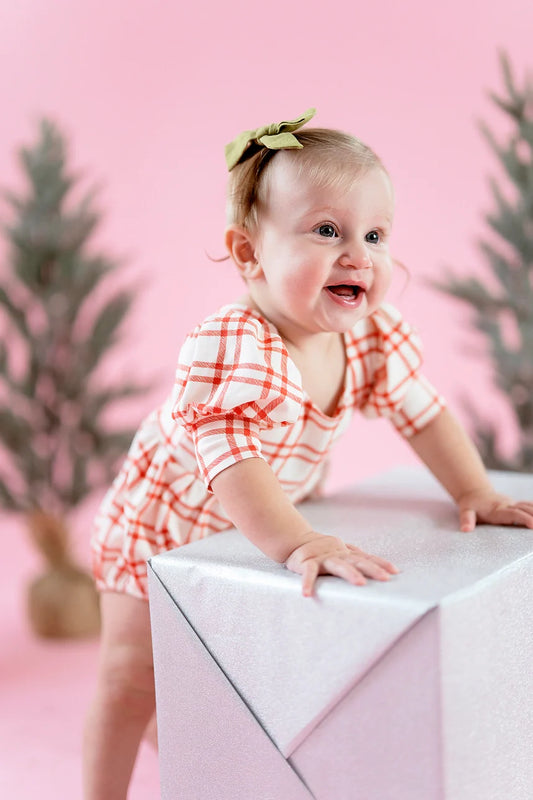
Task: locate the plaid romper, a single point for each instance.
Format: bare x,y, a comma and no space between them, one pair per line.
239,395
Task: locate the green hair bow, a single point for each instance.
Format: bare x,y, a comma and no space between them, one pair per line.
277,136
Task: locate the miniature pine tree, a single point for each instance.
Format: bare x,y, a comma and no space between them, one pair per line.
508,253
57,328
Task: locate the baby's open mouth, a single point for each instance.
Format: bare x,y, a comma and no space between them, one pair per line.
345,290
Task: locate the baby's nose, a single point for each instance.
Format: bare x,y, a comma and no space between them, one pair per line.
358,257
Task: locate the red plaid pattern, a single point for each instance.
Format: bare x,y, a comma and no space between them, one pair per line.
238,395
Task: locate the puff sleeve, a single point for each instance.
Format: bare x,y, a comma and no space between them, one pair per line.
234,379
391,385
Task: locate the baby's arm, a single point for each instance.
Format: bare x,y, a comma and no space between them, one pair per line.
444,446
253,499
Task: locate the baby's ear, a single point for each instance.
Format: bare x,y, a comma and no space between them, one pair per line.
241,247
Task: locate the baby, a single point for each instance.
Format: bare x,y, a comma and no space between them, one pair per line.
263,388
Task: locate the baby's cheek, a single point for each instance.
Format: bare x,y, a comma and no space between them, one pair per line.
297,283
384,277
380,287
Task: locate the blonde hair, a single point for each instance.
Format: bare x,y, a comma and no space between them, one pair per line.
328,157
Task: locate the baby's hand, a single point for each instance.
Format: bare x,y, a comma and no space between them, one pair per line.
487,506
327,555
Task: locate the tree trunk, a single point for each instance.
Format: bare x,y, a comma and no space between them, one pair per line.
63,602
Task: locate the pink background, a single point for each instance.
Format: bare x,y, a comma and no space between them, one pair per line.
149,93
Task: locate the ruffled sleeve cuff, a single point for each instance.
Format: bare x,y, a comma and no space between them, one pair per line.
222,441
421,404
234,379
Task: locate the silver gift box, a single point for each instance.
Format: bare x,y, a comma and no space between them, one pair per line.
419,688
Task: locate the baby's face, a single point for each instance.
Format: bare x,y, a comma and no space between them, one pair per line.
322,252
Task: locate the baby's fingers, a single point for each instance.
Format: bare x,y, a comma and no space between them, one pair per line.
310,573
368,567
528,509
518,514
344,569
388,566
467,519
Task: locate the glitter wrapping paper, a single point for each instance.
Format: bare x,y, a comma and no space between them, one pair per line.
416,688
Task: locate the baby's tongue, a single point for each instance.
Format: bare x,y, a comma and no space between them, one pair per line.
344,291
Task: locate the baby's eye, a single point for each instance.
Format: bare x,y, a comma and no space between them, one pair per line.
327,230
374,237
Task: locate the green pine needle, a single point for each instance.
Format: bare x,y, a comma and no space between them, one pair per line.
62,323
505,317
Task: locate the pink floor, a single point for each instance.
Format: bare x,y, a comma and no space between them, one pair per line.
44,690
